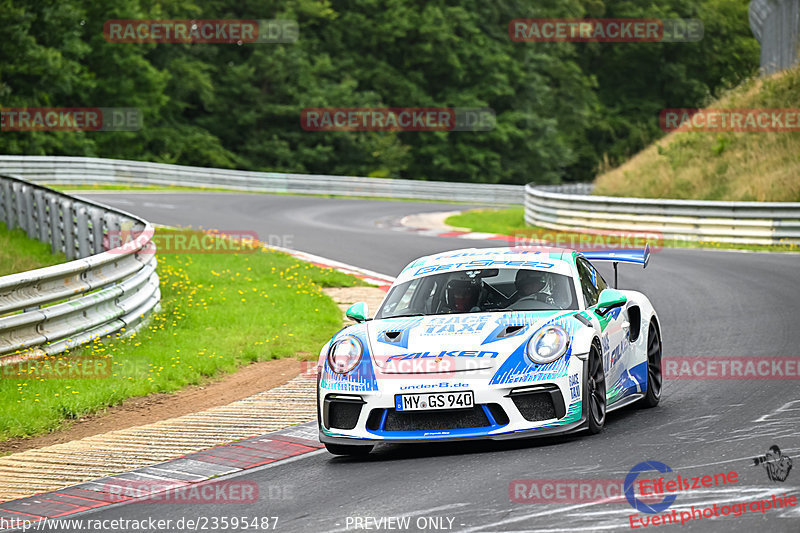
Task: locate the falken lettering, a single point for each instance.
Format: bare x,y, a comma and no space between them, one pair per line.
444,353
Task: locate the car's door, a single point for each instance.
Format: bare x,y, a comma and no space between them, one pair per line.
613,327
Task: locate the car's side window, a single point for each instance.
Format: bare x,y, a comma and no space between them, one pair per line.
601,283
586,274
405,301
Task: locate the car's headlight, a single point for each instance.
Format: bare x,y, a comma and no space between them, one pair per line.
548,344
344,354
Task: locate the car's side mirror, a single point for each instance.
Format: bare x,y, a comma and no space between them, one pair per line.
609,299
358,312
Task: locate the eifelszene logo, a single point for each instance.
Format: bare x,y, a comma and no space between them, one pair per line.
637,503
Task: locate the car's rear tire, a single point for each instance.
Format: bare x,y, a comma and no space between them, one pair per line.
654,376
348,449
595,392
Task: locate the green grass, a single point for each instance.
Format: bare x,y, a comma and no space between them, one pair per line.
218,312
512,222
500,221
18,253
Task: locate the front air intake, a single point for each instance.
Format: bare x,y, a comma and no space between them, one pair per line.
539,403
341,413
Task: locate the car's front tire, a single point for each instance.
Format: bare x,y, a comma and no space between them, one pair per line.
348,449
654,376
595,395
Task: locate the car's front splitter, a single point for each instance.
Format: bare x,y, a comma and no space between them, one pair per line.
463,435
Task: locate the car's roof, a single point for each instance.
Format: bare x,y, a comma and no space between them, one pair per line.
532,257
516,252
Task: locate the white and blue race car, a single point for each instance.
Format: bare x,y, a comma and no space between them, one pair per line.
490,343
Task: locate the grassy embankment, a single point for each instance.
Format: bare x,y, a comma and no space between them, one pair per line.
218,311
763,167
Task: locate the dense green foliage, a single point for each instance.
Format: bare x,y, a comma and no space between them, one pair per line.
562,108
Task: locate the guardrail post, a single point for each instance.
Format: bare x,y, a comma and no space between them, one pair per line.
30,218
14,207
39,200
56,230
113,230
68,222
82,222
5,201
22,211
96,217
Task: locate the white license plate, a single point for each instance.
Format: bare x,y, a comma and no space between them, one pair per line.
430,401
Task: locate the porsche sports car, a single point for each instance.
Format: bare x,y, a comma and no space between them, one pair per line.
490,343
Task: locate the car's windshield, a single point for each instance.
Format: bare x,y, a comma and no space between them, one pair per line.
475,291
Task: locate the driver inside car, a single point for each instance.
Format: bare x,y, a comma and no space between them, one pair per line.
461,296
531,284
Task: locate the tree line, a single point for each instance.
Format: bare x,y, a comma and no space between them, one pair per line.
563,110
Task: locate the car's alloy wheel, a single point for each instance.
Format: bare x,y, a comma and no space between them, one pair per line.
595,392
348,449
654,378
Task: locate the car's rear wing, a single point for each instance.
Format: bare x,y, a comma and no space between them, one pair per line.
637,257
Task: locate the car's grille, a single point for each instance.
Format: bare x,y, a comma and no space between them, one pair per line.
342,414
435,420
541,404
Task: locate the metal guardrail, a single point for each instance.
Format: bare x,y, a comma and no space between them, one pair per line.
102,288
776,25
570,207
564,207
88,170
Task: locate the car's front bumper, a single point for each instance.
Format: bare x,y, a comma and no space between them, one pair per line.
538,407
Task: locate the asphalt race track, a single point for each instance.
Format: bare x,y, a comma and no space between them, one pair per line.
711,303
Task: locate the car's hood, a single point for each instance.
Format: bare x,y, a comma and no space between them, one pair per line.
462,342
